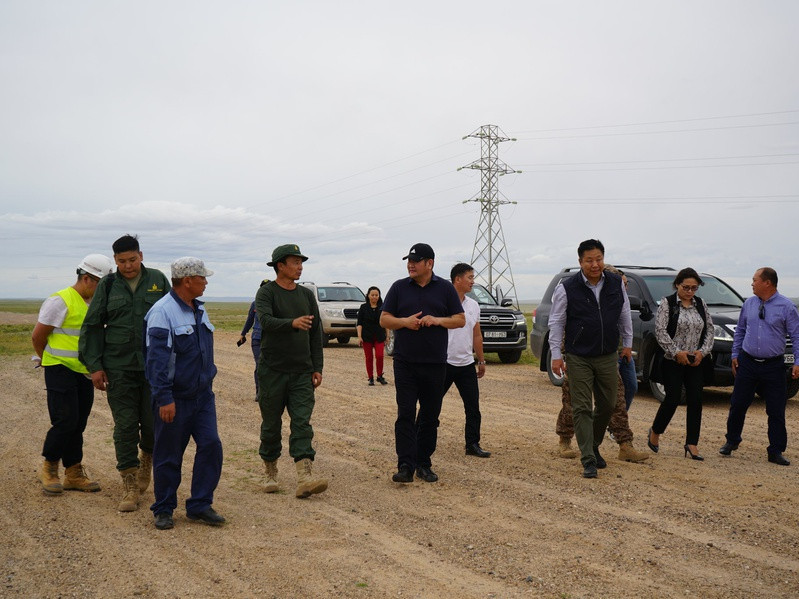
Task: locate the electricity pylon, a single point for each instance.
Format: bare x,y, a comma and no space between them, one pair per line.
490,256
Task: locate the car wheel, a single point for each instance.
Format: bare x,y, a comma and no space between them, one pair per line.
793,386
389,348
325,340
553,378
510,357
343,340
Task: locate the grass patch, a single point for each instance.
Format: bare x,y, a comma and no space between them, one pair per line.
15,340
228,316
21,306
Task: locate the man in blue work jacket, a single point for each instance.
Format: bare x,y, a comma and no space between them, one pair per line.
179,364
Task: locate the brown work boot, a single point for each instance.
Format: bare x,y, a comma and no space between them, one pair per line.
75,479
145,470
130,501
271,477
49,477
565,449
628,453
306,483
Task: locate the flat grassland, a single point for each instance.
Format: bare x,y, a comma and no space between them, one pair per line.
522,523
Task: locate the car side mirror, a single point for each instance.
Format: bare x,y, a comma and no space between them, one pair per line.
635,302
506,301
645,310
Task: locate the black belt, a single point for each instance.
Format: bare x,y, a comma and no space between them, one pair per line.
781,358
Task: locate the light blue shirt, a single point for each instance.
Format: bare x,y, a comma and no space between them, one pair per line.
765,337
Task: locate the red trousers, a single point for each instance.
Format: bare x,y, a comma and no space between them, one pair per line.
378,357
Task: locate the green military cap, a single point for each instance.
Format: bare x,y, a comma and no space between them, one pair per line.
284,251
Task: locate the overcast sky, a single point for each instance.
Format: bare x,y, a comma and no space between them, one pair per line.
669,130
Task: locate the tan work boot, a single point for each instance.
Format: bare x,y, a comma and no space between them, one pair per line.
130,501
628,453
145,470
565,449
306,483
49,477
75,479
271,477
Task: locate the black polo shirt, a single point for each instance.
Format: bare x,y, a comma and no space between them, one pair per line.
437,298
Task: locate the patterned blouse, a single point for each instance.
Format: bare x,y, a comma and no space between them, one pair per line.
689,329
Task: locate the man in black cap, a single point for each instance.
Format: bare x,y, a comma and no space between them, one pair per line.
289,369
419,309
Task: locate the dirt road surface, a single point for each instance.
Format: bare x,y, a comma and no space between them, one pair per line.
522,523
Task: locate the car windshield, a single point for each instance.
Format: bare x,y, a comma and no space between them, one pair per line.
714,291
481,296
340,294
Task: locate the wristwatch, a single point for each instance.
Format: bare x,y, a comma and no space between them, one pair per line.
481,362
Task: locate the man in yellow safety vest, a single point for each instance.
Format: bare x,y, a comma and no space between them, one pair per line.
70,393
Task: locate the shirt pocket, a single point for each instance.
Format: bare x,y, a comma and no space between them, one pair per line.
182,338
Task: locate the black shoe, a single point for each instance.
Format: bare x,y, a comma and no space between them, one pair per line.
426,474
694,456
600,461
371,382
651,445
728,448
382,380
403,475
207,516
163,521
475,449
589,471
777,458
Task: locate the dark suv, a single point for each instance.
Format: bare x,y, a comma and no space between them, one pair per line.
646,286
504,328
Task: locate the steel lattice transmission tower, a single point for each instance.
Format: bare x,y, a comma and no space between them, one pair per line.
490,256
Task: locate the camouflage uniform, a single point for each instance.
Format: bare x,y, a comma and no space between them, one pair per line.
619,424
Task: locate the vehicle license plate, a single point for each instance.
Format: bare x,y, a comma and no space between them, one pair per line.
498,335
789,358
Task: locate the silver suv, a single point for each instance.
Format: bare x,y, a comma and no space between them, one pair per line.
338,307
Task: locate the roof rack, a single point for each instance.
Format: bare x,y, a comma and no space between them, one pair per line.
623,266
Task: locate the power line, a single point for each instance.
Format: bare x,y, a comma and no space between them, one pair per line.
669,122
535,164
658,132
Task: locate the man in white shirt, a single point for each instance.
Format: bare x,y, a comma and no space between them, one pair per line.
462,344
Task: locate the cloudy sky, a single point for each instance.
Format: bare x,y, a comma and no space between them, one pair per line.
670,131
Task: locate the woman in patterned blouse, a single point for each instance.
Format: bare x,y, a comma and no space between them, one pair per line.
684,331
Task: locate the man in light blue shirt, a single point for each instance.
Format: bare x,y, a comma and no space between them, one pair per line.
758,362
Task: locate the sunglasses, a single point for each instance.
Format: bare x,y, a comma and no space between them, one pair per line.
689,287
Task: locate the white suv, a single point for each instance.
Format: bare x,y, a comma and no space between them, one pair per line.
338,307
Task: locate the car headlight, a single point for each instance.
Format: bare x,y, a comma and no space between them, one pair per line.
721,334
520,319
333,312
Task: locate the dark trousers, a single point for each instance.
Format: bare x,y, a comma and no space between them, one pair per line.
768,378
293,392
129,399
70,396
416,434
194,418
675,376
465,379
593,382
256,353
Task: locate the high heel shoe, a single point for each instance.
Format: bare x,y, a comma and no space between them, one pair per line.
652,446
694,456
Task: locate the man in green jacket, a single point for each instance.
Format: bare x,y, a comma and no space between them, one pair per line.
289,369
111,349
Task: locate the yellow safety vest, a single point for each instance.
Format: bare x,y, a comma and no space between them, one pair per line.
62,343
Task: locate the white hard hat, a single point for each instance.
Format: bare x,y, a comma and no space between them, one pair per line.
97,265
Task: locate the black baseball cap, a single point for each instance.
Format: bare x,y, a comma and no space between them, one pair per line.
420,251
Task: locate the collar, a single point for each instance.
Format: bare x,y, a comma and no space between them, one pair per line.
587,282
433,278
198,304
